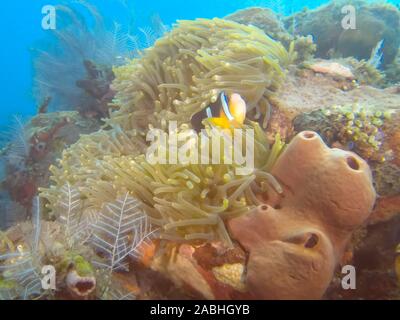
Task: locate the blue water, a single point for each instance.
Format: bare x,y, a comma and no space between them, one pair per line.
20,29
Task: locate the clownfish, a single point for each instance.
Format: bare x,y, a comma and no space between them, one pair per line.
225,113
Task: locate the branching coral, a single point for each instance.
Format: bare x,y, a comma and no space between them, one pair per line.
190,66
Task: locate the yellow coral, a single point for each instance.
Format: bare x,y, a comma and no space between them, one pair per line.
231,274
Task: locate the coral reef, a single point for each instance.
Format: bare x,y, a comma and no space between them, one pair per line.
374,259
332,68
304,47
392,72
365,72
265,19
306,91
87,251
372,134
268,21
190,66
39,143
206,271
355,127
117,225
375,22
360,72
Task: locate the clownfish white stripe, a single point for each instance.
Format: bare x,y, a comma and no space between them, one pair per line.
209,113
226,107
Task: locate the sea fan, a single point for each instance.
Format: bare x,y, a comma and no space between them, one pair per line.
149,35
82,34
121,229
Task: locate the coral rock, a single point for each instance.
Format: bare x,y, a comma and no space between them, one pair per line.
297,240
334,69
375,22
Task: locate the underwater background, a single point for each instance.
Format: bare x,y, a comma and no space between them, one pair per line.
79,194
20,29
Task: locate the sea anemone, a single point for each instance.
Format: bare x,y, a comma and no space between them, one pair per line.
190,66
187,201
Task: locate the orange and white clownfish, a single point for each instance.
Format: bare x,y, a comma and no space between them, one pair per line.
225,113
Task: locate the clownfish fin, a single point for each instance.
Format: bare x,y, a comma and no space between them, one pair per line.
223,123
